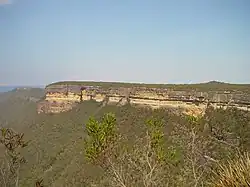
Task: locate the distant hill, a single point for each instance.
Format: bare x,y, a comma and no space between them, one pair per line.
21,92
10,88
214,85
6,88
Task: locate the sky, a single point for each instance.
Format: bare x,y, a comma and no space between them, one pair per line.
150,41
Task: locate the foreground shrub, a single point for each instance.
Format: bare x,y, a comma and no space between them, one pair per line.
233,173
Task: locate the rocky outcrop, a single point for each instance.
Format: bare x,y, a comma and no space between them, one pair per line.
64,96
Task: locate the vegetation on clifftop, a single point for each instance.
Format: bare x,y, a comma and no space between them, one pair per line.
210,86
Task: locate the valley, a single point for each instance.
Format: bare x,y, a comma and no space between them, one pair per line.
56,149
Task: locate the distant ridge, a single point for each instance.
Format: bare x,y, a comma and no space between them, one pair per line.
14,88
141,84
216,82
6,88
201,87
226,83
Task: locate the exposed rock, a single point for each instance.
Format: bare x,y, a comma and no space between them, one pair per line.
54,107
192,99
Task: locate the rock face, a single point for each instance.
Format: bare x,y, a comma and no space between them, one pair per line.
64,96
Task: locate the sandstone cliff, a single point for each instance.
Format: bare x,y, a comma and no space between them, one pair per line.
63,96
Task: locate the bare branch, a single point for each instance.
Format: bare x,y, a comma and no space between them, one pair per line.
118,176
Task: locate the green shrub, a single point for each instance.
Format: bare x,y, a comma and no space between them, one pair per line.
100,135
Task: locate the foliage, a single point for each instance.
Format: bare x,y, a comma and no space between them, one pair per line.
142,164
183,158
156,137
192,150
100,135
193,120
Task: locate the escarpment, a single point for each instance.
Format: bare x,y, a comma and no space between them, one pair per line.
192,99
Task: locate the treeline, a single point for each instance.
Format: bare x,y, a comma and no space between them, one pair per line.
210,86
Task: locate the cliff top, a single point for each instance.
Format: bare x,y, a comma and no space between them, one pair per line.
209,86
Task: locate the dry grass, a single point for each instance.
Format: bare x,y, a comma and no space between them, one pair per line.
235,173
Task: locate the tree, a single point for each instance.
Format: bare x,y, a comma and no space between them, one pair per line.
100,137
13,159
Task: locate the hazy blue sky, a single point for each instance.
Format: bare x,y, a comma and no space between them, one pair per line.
154,41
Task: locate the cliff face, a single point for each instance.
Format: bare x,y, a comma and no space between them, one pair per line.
62,97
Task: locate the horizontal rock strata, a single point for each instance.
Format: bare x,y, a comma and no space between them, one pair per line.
61,97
